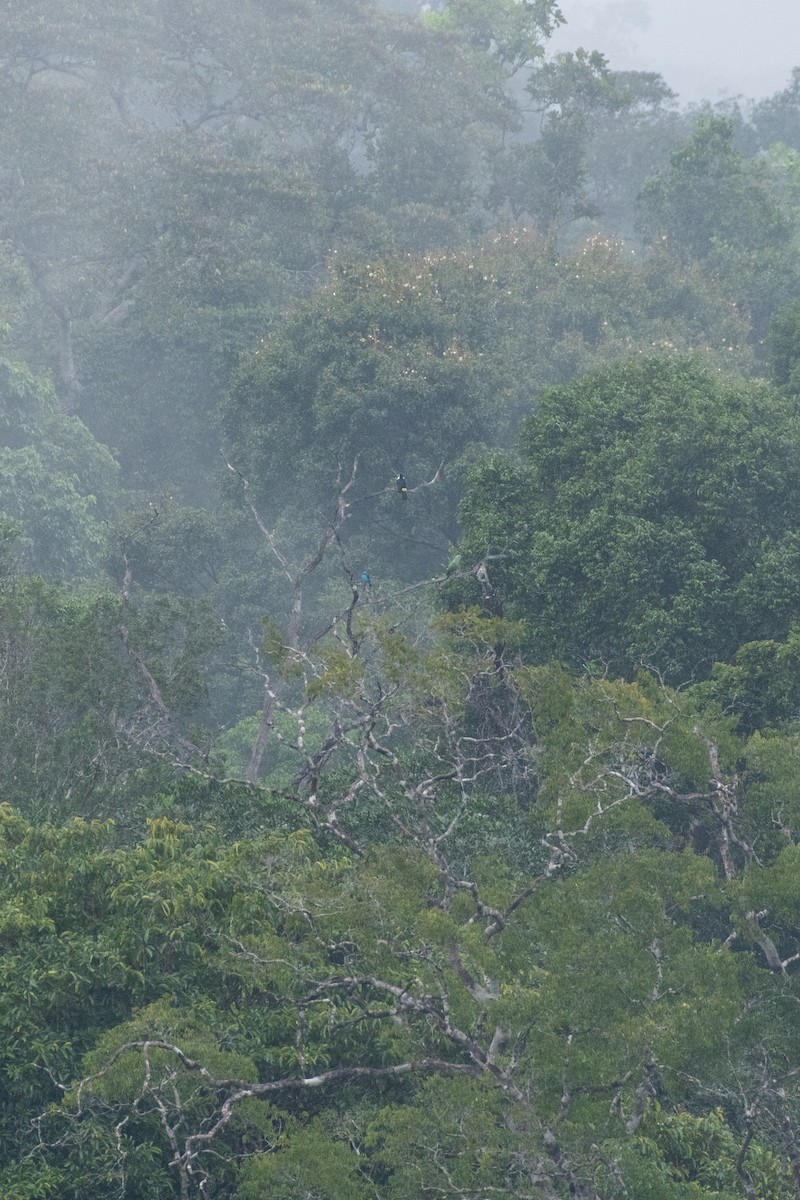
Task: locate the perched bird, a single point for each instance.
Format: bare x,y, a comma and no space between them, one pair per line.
365,579
402,486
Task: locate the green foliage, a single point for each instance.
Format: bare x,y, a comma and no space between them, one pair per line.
463,1124
309,1162
71,694
711,206
761,685
783,350
306,889
174,190
409,364
772,800
697,1156
777,118
58,483
630,145
707,196
544,179
652,520
180,970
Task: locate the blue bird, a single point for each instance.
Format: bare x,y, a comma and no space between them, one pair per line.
365,579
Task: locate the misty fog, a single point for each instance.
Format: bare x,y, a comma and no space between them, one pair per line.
705,49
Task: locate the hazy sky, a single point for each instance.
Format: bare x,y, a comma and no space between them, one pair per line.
705,49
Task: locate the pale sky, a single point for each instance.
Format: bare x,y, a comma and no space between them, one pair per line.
705,49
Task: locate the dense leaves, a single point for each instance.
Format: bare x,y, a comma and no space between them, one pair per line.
651,519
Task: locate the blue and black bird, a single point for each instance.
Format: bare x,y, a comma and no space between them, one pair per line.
365,579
